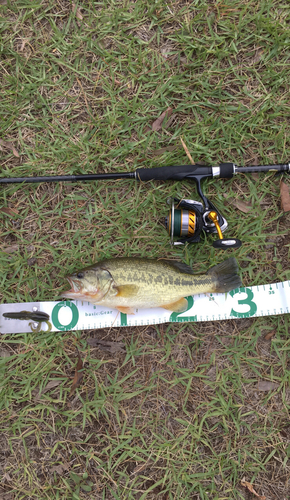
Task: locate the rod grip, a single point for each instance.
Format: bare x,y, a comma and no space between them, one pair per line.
173,172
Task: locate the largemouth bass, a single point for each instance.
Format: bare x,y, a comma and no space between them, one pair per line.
134,283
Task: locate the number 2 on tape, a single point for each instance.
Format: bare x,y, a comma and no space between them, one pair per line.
175,316
248,300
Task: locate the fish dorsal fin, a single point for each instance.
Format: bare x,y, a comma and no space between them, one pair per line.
180,266
127,291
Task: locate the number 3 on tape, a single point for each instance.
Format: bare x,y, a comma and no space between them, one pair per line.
248,301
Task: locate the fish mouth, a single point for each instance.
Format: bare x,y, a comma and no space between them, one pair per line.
76,288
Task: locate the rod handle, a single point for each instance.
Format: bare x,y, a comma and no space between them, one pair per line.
173,172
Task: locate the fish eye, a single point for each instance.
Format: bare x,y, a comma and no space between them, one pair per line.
80,275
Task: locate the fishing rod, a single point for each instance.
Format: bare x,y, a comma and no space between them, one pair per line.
187,218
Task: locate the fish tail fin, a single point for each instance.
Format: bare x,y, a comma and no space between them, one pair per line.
226,275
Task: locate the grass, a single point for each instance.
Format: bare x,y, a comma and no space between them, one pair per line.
180,413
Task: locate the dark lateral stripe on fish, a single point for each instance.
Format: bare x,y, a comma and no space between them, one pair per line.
165,280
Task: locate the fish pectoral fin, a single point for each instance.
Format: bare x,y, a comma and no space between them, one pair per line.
179,306
125,310
126,291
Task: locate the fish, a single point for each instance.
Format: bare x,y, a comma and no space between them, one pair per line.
128,283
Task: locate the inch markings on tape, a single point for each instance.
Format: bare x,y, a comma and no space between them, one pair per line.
244,302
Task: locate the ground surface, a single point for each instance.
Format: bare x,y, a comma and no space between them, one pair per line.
187,411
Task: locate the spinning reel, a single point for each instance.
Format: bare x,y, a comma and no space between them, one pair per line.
188,218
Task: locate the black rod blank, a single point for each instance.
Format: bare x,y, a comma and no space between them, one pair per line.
172,172
263,168
67,178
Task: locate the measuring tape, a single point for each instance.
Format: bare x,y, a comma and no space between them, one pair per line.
244,302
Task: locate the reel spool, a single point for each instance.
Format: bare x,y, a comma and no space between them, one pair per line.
188,218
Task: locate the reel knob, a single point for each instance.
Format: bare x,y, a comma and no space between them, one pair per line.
227,243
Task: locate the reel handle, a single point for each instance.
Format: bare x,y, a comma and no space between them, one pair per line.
222,243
